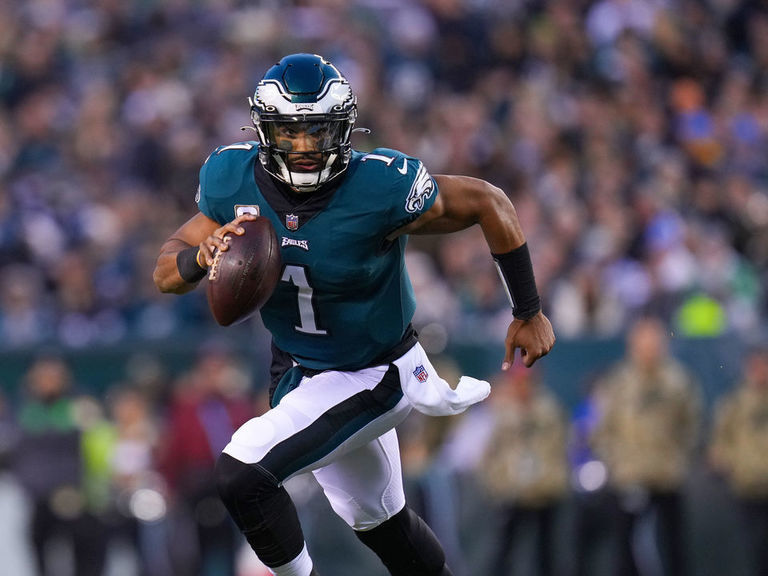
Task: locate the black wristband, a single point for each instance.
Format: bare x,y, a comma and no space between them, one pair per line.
189,270
516,272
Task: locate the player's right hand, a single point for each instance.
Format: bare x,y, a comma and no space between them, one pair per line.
216,240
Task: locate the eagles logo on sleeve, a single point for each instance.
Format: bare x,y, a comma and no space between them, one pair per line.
421,189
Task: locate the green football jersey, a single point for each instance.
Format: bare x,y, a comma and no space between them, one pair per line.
344,297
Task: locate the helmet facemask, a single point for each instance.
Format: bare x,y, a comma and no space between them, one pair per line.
304,152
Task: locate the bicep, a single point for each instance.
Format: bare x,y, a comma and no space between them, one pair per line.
451,211
462,202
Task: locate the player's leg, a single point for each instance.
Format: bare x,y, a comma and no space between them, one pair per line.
407,546
365,488
265,514
326,416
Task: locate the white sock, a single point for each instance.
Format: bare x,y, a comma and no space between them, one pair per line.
299,566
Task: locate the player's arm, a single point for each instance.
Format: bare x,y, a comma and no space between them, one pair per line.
463,202
186,255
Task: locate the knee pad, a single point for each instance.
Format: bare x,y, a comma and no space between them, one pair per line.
261,508
406,546
238,482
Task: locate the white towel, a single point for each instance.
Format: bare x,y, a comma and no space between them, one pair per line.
429,393
436,398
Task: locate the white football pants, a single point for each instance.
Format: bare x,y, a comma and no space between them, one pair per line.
340,425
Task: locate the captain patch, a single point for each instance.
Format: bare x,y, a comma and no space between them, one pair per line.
241,209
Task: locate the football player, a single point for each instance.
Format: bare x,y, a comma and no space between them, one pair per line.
347,364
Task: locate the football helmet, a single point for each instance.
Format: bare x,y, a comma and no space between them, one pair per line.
303,111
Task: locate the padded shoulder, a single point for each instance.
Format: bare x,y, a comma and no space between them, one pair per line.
223,175
400,184
402,181
386,165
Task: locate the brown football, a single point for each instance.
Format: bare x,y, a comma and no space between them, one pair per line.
242,278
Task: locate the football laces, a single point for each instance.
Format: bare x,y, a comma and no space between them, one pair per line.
213,271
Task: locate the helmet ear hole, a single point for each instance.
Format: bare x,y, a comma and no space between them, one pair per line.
308,93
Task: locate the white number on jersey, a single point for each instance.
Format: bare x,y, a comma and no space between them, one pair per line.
297,276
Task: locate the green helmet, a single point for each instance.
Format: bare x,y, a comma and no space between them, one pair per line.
304,93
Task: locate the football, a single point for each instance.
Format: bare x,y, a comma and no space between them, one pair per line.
242,278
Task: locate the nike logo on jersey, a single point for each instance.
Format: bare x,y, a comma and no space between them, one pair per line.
404,169
303,244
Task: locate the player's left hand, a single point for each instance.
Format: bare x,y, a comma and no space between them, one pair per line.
534,337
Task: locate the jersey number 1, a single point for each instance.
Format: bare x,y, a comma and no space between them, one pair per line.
298,277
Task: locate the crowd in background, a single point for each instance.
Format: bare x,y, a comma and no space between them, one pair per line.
630,134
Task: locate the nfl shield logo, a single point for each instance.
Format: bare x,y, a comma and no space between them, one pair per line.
291,221
420,373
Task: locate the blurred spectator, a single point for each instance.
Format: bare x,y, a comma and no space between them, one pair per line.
738,450
211,401
9,434
15,544
53,465
524,467
592,502
649,412
24,314
137,490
